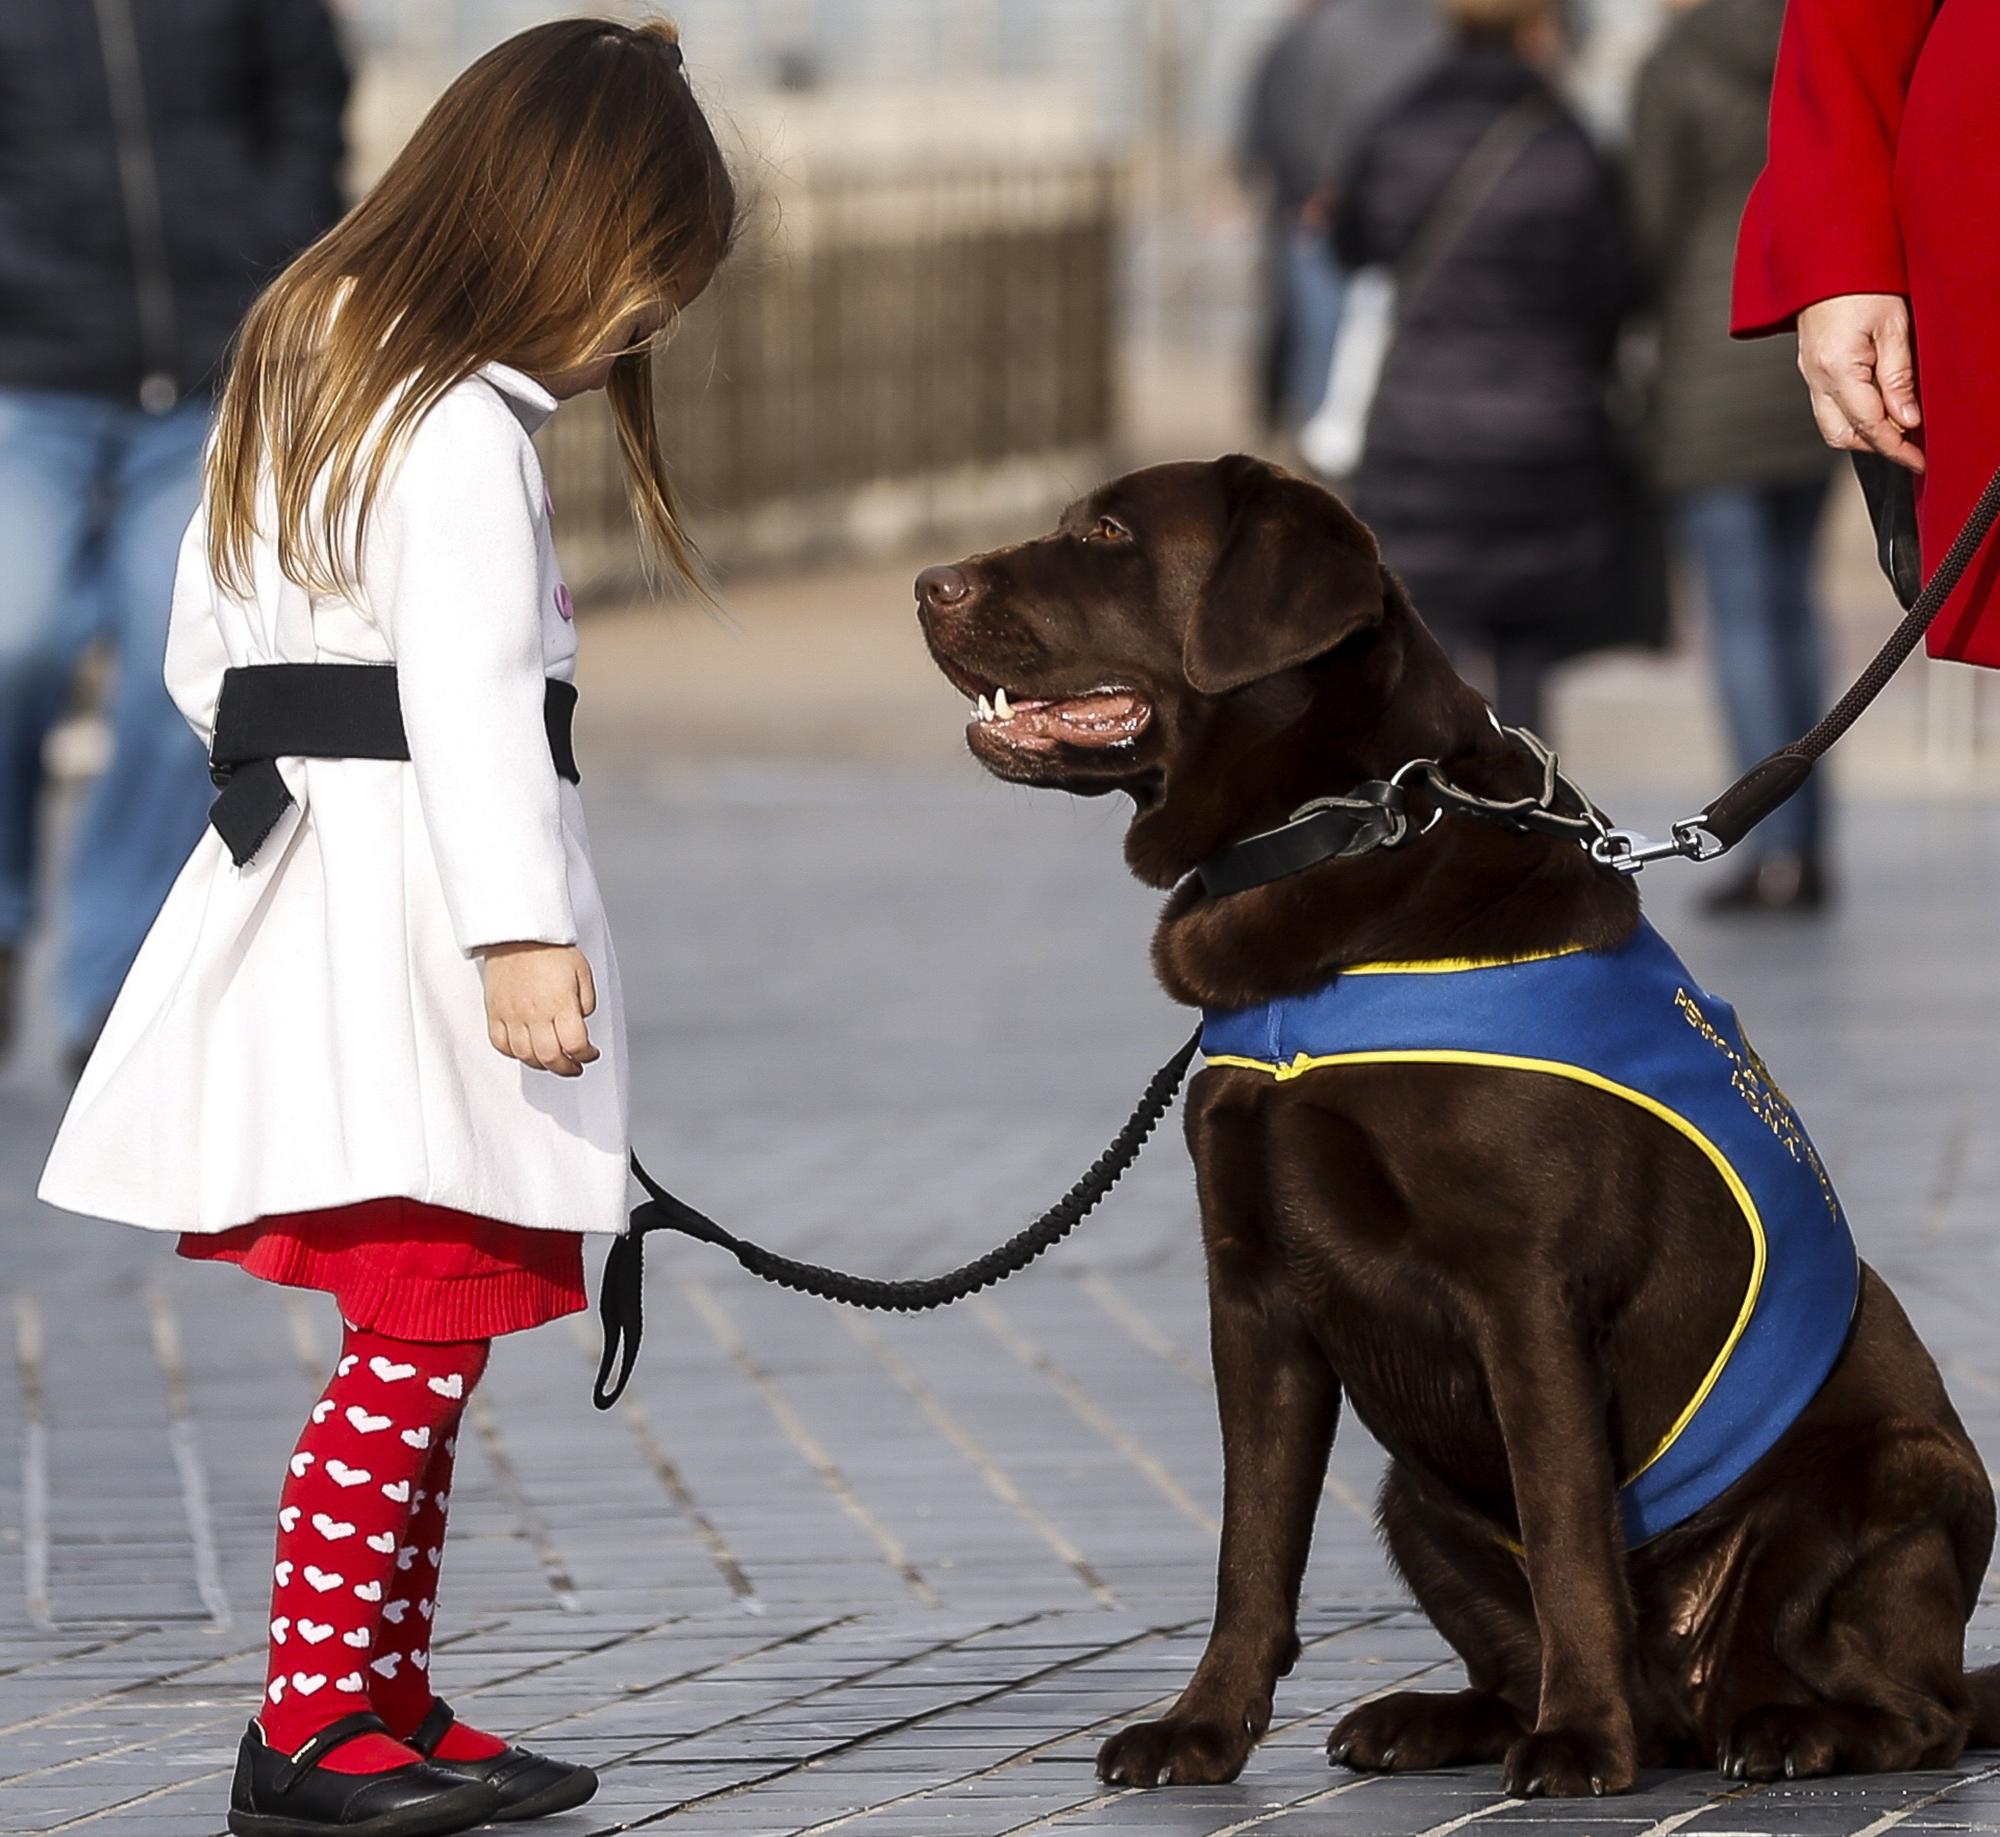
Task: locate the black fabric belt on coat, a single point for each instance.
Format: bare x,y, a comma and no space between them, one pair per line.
272,711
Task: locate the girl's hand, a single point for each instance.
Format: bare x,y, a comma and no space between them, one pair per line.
538,997
1857,358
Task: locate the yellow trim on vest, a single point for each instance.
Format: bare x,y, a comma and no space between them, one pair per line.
1452,966
1578,1074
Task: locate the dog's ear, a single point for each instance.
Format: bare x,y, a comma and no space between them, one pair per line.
1298,572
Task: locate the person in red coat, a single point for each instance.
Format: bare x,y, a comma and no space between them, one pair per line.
1871,233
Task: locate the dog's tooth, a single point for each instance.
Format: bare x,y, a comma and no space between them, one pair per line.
985,709
1001,712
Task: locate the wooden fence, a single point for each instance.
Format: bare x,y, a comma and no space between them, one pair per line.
885,358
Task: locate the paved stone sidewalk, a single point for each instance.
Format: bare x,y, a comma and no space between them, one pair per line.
829,1572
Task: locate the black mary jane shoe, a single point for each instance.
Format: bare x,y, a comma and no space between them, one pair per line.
530,1785
291,1795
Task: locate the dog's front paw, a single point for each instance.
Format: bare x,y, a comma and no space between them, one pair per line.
1178,1750
1569,1764
1415,1730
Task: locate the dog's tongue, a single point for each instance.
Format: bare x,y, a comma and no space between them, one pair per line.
1081,720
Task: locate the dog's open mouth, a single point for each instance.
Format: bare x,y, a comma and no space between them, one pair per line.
1097,718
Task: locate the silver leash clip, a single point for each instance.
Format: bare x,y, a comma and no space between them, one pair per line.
1630,851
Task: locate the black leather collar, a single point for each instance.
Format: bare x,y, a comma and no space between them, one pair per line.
1375,816
1371,816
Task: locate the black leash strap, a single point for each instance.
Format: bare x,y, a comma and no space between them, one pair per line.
1772,781
1767,785
621,1302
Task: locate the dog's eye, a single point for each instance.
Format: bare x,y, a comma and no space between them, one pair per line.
1108,529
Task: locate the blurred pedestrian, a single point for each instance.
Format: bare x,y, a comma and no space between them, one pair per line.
1330,67
1733,440
157,163
1491,470
1870,232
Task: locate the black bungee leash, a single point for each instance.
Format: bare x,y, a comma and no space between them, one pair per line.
621,1301
1369,818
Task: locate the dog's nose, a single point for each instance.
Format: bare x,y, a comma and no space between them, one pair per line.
942,586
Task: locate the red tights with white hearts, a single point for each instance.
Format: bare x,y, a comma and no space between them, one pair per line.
361,1527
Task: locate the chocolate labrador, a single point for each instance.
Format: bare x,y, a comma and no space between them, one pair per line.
1669,1467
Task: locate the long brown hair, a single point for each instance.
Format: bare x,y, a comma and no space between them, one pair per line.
565,183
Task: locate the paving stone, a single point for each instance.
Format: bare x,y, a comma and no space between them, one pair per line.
833,1573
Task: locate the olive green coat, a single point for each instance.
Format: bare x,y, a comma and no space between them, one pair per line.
1724,412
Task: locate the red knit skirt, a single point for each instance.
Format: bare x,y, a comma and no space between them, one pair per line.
412,1271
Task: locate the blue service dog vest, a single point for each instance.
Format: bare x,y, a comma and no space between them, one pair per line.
1634,1023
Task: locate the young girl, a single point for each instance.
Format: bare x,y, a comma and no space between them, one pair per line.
373,1044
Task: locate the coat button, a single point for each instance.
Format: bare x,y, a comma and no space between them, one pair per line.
564,604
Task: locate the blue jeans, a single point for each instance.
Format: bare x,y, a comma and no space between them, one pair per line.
1315,290
1754,545
94,498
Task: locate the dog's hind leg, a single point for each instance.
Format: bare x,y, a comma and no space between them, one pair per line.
1476,1595
1879,1519
1877,1665
1985,1686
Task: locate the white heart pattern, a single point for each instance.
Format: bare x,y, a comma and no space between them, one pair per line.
351,1683
321,1581
443,1503
288,1519
343,1475
278,1628
368,1591
300,1462
277,1691
435,1555
322,1409
365,1424
406,1556
451,1444
315,1632
394,1611
333,1530
358,1639
390,1373
385,1666
385,1543
427,1608
305,1685
453,1386
397,1492
345,1366
282,1575
422,1660
417,1438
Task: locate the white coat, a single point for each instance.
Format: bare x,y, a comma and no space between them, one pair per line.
309,1030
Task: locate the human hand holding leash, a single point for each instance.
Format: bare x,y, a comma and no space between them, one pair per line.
538,998
1856,354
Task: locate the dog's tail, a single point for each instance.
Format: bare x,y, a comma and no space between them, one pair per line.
1985,1707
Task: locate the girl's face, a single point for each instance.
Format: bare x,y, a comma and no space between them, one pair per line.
641,328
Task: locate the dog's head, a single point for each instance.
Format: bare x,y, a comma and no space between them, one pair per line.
1214,639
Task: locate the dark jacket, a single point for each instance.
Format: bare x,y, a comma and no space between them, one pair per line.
1724,413
1320,83
1489,469
159,160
